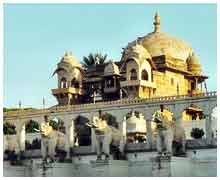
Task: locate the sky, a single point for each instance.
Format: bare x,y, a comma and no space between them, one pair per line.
36,37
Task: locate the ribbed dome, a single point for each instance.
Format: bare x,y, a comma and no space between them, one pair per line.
68,58
111,69
159,43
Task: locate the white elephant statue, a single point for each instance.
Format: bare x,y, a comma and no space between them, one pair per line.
104,136
168,133
48,145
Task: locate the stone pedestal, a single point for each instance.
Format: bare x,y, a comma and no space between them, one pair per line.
161,166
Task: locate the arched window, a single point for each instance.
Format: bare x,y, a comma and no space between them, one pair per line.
75,83
63,83
133,75
144,75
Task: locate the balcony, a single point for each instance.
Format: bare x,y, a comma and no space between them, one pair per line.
138,83
70,90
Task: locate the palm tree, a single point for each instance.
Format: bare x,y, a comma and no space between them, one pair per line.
94,59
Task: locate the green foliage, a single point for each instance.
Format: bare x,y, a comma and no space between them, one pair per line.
54,125
31,126
93,59
9,129
197,133
14,109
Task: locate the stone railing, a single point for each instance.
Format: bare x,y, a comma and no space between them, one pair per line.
122,102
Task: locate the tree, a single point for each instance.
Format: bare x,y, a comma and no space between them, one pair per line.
31,126
54,125
9,129
94,59
197,133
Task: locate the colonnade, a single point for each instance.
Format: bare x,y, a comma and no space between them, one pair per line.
120,114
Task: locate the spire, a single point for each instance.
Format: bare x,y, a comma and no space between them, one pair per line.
157,22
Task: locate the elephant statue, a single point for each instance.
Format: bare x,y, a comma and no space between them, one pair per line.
49,145
50,138
169,135
105,135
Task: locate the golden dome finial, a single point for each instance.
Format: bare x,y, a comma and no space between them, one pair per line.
157,22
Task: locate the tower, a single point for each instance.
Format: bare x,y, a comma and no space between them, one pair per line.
69,73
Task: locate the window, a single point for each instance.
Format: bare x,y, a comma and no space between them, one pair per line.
193,85
133,75
109,83
75,83
63,83
144,75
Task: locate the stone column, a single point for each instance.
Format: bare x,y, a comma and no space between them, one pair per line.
124,129
208,129
69,136
21,136
149,133
148,113
93,140
93,136
114,81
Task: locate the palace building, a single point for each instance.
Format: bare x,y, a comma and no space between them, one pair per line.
155,72
154,65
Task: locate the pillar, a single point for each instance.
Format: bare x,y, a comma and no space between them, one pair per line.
21,136
148,114
93,136
124,129
69,125
208,125
114,81
149,134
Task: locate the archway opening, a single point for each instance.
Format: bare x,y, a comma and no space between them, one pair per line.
83,132
193,121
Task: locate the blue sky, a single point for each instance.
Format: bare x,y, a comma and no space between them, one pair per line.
36,37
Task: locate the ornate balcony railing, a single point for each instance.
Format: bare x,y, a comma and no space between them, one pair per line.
121,102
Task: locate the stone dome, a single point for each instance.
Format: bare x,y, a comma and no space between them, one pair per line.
111,69
159,43
69,59
137,52
193,64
